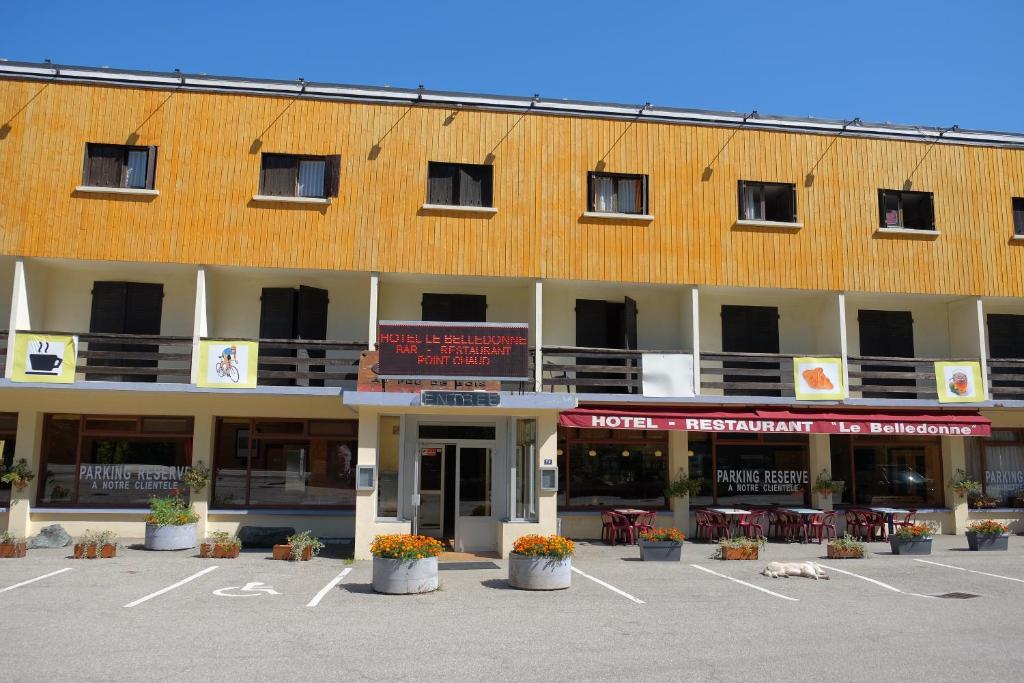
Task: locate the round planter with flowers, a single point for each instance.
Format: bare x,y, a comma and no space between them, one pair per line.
541,563
661,545
915,539
988,534
171,524
404,564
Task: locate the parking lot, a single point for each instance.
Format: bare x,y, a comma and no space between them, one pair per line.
163,615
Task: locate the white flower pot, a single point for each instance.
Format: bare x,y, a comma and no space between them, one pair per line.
539,573
402,577
178,537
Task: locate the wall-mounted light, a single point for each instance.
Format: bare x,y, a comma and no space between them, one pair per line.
689,454
561,452
591,452
625,454
657,453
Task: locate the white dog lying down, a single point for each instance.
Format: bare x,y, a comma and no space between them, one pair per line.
787,569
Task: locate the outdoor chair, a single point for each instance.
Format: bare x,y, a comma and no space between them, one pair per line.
614,527
823,525
646,522
793,527
752,524
909,519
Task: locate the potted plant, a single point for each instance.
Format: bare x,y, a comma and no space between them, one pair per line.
682,486
963,485
915,539
300,547
738,548
988,534
11,546
541,563
93,544
197,477
18,475
220,545
661,545
171,524
404,564
982,502
826,486
845,548
1018,500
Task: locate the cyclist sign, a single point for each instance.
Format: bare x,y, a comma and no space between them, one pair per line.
227,364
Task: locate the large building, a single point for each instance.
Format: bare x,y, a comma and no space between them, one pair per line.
235,274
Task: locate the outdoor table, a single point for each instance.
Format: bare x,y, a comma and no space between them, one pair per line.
890,513
731,515
631,515
805,515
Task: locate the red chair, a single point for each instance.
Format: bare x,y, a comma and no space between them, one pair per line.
775,523
704,524
615,527
646,523
721,524
711,525
909,519
751,524
823,525
855,524
876,525
792,526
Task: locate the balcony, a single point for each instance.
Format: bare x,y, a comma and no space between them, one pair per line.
306,363
129,357
591,370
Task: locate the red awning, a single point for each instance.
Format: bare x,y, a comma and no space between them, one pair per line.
780,421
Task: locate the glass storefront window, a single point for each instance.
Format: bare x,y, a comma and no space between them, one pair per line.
761,474
388,455
278,470
525,471
474,481
701,466
106,461
617,474
905,474
998,463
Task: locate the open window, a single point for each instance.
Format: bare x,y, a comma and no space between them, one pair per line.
119,166
289,175
617,193
460,184
774,202
908,210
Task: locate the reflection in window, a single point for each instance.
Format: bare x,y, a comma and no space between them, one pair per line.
616,475
474,482
388,452
904,475
701,467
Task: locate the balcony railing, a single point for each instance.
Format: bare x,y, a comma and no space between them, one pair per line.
1006,378
592,370
893,378
309,363
737,373
130,357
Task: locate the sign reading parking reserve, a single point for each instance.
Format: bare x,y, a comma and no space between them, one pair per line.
440,350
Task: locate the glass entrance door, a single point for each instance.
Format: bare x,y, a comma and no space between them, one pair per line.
474,526
430,514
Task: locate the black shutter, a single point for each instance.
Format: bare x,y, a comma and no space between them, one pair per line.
792,203
105,165
741,190
311,323
629,326
150,167
590,191
881,216
591,332
332,173
441,180
751,329
872,327
143,311
108,307
455,308
888,334
436,307
931,211
900,332
279,175
471,186
277,321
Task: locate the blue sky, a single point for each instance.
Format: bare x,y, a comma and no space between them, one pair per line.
933,63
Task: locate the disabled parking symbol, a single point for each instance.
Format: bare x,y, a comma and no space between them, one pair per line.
249,590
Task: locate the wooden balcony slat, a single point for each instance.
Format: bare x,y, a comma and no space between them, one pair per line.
760,372
885,374
747,385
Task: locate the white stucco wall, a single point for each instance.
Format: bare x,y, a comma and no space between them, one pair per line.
933,323
808,322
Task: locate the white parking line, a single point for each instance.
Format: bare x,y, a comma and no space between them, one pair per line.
874,581
610,587
327,589
38,578
973,571
749,585
171,587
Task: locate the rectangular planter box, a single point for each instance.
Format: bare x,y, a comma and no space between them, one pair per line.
739,553
224,551
835,553
284,552
661,551
987,541
16,549
90,551
910,546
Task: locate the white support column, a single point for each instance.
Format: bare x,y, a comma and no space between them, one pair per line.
983,347
695,317
954,457
820,461
844,347
371,330
200,323
19,313
538,335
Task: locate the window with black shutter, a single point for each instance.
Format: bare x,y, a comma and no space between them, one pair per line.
775,202
751,329
1006,342
287,313
120,166
128,308
886,334
454,308
290,175
909,210
605,325
460,184
1018,216
617,193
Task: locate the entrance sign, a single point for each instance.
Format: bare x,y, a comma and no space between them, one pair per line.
461,399
818,379
442,350
227,364
48,358
795,421
959,382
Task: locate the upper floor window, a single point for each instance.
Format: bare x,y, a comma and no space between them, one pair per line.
119,166
1018,216
617,193
460,184
774,202
910,210
289,175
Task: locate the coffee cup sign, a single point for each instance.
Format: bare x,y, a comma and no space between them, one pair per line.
45,358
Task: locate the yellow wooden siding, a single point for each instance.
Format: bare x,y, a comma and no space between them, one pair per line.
208,171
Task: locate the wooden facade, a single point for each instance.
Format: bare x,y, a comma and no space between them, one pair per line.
208,170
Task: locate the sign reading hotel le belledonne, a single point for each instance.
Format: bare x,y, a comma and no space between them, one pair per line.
441,350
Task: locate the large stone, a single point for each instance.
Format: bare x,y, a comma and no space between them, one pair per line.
264,536
52,536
